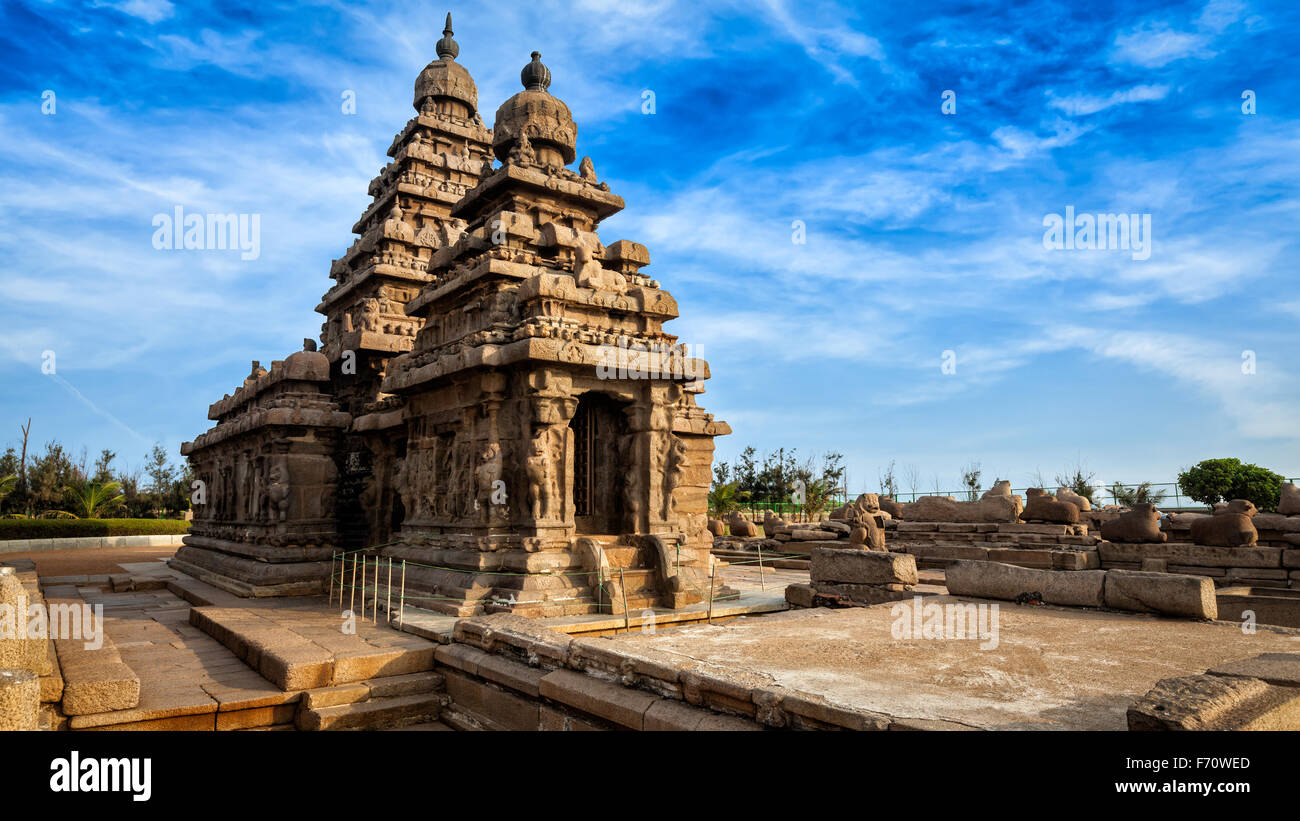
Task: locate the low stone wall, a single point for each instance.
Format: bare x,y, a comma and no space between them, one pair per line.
1261,693
1258,566
89,543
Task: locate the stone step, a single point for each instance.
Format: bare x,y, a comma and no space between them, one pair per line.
376,714
428,726
386,687
318,656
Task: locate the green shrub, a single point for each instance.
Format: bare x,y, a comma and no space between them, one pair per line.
74,528
1216,480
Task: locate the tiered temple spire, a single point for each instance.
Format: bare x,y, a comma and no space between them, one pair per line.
477,405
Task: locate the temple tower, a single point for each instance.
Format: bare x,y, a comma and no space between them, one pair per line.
496,400
436,158
551,426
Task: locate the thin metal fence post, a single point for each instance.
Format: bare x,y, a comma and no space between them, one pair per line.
712,576
352,596
388,606
623,584
401,598
762,585
333,558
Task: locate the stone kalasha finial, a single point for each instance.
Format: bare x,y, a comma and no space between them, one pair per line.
447,48
536,76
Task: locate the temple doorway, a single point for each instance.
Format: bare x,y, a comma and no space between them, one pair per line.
598,425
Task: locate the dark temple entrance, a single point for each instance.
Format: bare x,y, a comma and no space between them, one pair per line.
598,427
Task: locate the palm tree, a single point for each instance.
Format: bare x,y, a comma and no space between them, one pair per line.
817,496
725,499
7,485
1136,495
95,499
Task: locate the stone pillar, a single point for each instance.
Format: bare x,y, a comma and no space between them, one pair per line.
20,700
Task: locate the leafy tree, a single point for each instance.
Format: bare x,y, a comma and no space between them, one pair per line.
161,473
721,473
49,475
1215,480
888,484
747,470
104,466
7,485
970,479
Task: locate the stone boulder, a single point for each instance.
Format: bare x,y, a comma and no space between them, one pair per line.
717,527
1231,528
1046,509
1289,502
1141,524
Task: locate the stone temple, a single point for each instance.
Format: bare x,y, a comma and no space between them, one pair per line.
494,401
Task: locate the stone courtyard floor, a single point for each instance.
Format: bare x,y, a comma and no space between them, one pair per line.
1053,668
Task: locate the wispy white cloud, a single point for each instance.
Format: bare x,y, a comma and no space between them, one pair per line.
1083,104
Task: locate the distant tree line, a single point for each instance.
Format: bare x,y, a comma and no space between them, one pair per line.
57,483
780,477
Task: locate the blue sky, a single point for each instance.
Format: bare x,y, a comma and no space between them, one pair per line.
924,230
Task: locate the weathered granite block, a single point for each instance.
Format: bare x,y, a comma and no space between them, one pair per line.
1209,702
1174,595
1184,553
862,567
1082,588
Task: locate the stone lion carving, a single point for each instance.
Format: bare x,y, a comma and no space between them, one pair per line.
589,273
1141,524
1065,494
1045,508
1231,528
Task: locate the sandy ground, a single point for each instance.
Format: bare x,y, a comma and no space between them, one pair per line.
89,562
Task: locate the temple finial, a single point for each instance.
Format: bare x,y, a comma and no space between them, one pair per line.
536,76
447,48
